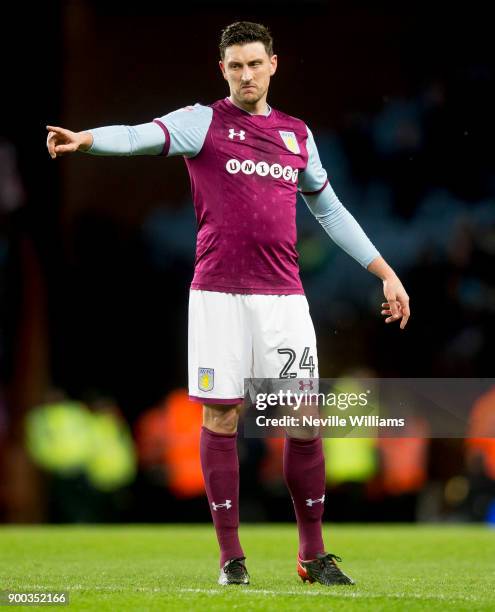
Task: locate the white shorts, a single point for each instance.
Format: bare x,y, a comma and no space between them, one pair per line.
234,336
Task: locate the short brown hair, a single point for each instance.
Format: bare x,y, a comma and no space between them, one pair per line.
242,32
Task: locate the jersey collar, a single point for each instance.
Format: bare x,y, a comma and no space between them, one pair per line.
230,103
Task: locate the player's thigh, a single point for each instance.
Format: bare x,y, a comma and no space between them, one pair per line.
284,341
219,347
286,352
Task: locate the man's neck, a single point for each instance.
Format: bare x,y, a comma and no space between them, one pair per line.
261,108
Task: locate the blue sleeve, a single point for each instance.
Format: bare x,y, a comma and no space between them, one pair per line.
181,132
341,226
144,139
335,219
314,177
186,129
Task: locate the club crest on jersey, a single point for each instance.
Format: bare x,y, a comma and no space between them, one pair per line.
241,134
206,379
290,141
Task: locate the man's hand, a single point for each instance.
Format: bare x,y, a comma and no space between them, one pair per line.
61,141
397,305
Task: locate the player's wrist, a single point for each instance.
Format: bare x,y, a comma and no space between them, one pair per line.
379,267
85,141
390,277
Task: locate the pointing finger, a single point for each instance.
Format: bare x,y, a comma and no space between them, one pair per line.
57,130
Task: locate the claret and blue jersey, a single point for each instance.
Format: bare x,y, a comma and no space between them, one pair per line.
245,173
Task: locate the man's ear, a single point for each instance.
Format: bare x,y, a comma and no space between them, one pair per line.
273,64
222,68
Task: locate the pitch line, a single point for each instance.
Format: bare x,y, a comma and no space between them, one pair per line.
341,593
246,590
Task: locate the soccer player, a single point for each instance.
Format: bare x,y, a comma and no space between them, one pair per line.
248,315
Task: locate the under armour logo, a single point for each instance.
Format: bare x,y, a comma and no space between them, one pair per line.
303,385
318,500
227,505
233,134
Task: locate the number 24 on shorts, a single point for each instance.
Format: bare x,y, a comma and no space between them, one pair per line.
306,363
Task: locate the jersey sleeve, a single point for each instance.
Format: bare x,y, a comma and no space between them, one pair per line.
185,130
340,225
335,219
144,139
313,178
181,132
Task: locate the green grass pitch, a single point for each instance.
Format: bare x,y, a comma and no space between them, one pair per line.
174,567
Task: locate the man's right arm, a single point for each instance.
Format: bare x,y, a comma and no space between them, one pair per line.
181,132
145,139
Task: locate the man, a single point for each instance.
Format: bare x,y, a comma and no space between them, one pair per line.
248,316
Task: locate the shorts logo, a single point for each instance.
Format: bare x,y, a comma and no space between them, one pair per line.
206,379
305,385
290,141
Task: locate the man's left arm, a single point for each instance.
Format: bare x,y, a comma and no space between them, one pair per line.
346,232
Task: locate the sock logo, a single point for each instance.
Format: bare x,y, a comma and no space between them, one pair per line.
318,500
227,505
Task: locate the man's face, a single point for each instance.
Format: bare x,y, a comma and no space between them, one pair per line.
247,69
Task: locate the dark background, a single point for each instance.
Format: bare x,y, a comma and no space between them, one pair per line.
97,254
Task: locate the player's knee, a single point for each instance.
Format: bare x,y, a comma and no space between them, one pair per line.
303,431
221,419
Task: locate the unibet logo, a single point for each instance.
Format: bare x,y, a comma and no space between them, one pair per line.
262,168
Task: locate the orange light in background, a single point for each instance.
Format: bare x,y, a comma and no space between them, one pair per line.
481,440
168,435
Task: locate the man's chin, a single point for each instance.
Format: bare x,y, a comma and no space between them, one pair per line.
250,97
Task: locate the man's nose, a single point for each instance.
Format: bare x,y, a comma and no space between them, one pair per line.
247,75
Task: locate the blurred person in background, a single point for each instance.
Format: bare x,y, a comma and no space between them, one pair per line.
85,454
248,315
480,459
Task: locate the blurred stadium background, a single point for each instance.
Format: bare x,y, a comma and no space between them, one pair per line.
96,254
